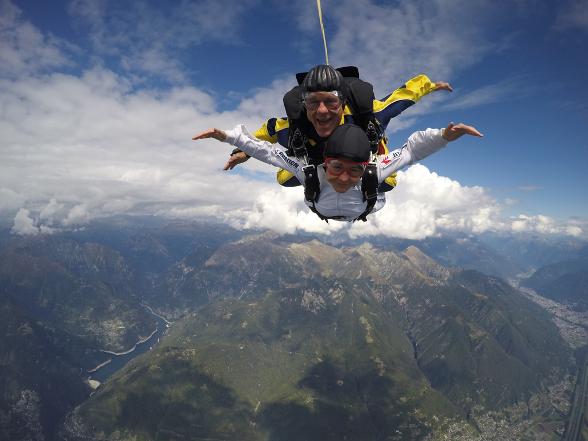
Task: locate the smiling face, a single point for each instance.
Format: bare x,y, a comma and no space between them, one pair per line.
343,174
324,111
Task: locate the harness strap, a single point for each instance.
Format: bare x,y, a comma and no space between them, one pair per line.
369,189
312,189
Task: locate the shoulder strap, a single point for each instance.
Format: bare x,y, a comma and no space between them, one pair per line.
293,103
299,129
312,189
361,100
369,189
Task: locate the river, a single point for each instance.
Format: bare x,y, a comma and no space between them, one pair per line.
118,360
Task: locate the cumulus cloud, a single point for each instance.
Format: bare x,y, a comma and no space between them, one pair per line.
424,204
79,147
24,224
284,211
543,225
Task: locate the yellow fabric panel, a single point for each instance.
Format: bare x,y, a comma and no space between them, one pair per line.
414,90
263,133
283,176
281,124
391,180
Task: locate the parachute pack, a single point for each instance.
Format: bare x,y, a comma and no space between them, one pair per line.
360,97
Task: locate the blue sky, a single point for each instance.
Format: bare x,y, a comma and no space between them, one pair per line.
99,99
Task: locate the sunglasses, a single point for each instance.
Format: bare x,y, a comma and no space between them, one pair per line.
331,103
337,167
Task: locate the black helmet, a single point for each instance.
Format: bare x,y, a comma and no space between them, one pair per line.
323,78
348,141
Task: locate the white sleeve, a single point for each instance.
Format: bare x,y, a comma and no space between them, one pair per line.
418,146
273,154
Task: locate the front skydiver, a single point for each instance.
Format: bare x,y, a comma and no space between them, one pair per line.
324,95
346,155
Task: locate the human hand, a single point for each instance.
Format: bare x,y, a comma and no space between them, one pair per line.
454,131
235,159
211,133
442,85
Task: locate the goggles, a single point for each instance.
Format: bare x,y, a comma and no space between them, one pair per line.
338,166
312,102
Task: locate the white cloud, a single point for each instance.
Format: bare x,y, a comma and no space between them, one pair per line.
529,188
388,37
78,215
508,89
24,225
23,48
10,201
425,204
284,211
51,211
149,39
544,225
572,15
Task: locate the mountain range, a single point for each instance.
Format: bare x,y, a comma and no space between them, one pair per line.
273,338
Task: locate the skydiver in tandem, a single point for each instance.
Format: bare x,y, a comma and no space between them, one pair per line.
326,98
344,186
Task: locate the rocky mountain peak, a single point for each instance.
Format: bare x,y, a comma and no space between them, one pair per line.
425,264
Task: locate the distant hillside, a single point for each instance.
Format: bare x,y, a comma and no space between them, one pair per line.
81,288
469,252
39,379
535,251
565,281
64,298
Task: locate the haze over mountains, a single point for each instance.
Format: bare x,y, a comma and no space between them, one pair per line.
279,338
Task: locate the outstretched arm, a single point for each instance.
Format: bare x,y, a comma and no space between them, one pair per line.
442,85
237,157
407,95
420,145
265,151
455,131
215,133
267,132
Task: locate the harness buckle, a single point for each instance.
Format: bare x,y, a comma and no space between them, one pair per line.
374,133
297,144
